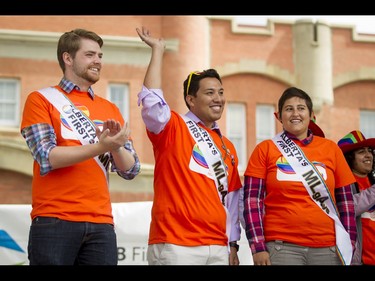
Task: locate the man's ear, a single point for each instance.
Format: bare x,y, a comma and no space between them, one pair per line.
189,100
67,58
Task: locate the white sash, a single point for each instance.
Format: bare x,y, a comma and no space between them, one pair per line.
317,189
79,122
214,161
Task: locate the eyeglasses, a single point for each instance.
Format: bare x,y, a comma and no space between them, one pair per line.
189,80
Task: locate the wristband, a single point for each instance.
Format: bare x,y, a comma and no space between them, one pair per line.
235,245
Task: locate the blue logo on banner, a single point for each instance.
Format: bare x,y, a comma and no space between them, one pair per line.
7,242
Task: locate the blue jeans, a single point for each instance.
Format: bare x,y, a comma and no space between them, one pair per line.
59,242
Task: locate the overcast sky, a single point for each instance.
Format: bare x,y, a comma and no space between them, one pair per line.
364,24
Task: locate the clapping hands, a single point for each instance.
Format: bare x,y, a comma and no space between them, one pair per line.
113,135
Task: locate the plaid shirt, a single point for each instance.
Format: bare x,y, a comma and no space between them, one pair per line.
254,210
254,193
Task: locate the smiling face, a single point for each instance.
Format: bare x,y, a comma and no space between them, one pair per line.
295,117
208,104
84,68
363,161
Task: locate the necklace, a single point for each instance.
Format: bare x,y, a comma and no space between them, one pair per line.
226,151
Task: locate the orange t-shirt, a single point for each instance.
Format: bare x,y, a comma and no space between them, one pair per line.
290,213
368,227
187,209
78,192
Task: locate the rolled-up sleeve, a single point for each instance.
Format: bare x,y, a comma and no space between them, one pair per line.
155,110
134,170
40,138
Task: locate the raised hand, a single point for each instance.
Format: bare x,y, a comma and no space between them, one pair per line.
145,35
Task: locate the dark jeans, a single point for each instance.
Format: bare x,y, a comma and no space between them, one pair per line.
58,242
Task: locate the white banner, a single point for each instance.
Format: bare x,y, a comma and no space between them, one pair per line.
132,221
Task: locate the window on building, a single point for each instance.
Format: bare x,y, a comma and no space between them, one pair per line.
119,95
9,102
236,130
366,123
265,122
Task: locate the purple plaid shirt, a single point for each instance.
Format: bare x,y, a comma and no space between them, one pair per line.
254,194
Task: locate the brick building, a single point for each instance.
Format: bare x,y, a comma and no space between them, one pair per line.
333,63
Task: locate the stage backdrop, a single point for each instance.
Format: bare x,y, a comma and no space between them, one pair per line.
132,223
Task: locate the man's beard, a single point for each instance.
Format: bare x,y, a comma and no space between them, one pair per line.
90,78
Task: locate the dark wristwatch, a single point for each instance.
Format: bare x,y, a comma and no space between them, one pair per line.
235,245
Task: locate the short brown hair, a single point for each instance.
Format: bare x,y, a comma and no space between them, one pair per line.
70,42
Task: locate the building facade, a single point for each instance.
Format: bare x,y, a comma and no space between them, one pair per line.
332,63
